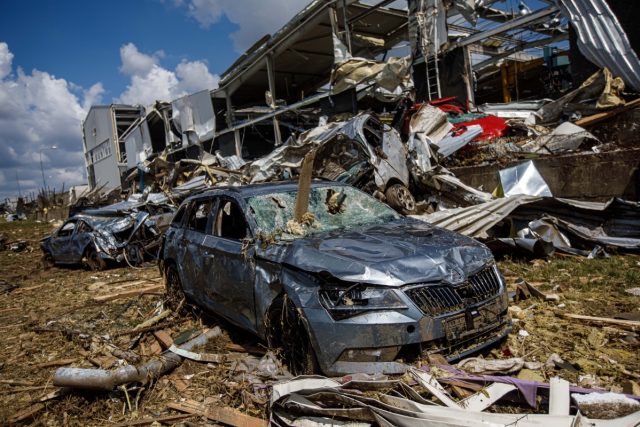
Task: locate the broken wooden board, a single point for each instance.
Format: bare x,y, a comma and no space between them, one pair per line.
58,362
245,349
163,338
625,324
129,293
229,416
148,421
595,118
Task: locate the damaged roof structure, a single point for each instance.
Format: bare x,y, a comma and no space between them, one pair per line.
452,88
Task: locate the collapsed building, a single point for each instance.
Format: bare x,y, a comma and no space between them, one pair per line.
420,103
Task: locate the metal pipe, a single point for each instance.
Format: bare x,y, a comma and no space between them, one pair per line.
102,379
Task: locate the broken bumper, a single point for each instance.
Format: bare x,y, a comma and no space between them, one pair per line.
381,341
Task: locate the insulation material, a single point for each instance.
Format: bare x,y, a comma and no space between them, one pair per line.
600,85
388,75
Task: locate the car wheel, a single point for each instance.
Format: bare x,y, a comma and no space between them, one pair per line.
93,261
175,293
47,260
400,198
288,331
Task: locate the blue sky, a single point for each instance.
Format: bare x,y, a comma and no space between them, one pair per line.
80,41
57,58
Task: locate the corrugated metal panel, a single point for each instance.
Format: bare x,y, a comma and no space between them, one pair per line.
602,40
475,220
615,223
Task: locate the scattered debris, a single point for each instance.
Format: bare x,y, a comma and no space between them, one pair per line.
326,98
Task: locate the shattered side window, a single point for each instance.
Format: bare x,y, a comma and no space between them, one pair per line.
330,208
199,216
230,222
67,229
83,227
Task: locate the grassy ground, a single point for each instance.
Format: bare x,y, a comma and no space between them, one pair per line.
52,318
593,287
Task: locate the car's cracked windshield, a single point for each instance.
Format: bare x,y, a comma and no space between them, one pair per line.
330,208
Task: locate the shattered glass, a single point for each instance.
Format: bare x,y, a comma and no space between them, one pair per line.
330,208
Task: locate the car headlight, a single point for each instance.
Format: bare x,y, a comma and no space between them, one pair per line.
347,301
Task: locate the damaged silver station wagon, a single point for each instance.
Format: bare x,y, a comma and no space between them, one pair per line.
352,287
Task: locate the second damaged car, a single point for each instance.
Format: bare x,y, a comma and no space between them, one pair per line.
97,240
351,286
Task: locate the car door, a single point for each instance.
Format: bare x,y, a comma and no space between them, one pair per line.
79,240
190,263
229,264
62,241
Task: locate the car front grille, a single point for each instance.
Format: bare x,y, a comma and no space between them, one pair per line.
436,300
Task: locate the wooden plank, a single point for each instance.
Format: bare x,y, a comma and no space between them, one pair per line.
163,338
595,118
626,324
128,293
29,288
245,349
228,416
304,186
147,421
58,362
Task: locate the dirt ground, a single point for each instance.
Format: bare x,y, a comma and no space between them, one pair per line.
55,318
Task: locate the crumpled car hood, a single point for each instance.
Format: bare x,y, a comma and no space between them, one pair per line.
394,254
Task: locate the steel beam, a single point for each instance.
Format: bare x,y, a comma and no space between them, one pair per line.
515,23
519,48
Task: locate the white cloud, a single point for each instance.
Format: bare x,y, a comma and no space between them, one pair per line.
254,18
6,59
135,63
195,76
38,110
151,82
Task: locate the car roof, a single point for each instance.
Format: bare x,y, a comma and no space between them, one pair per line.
252,190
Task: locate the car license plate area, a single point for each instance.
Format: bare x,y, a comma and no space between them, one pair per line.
472,321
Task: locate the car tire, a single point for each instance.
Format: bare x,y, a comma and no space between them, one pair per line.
175,293
47,261
93,261
400,198
289,332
